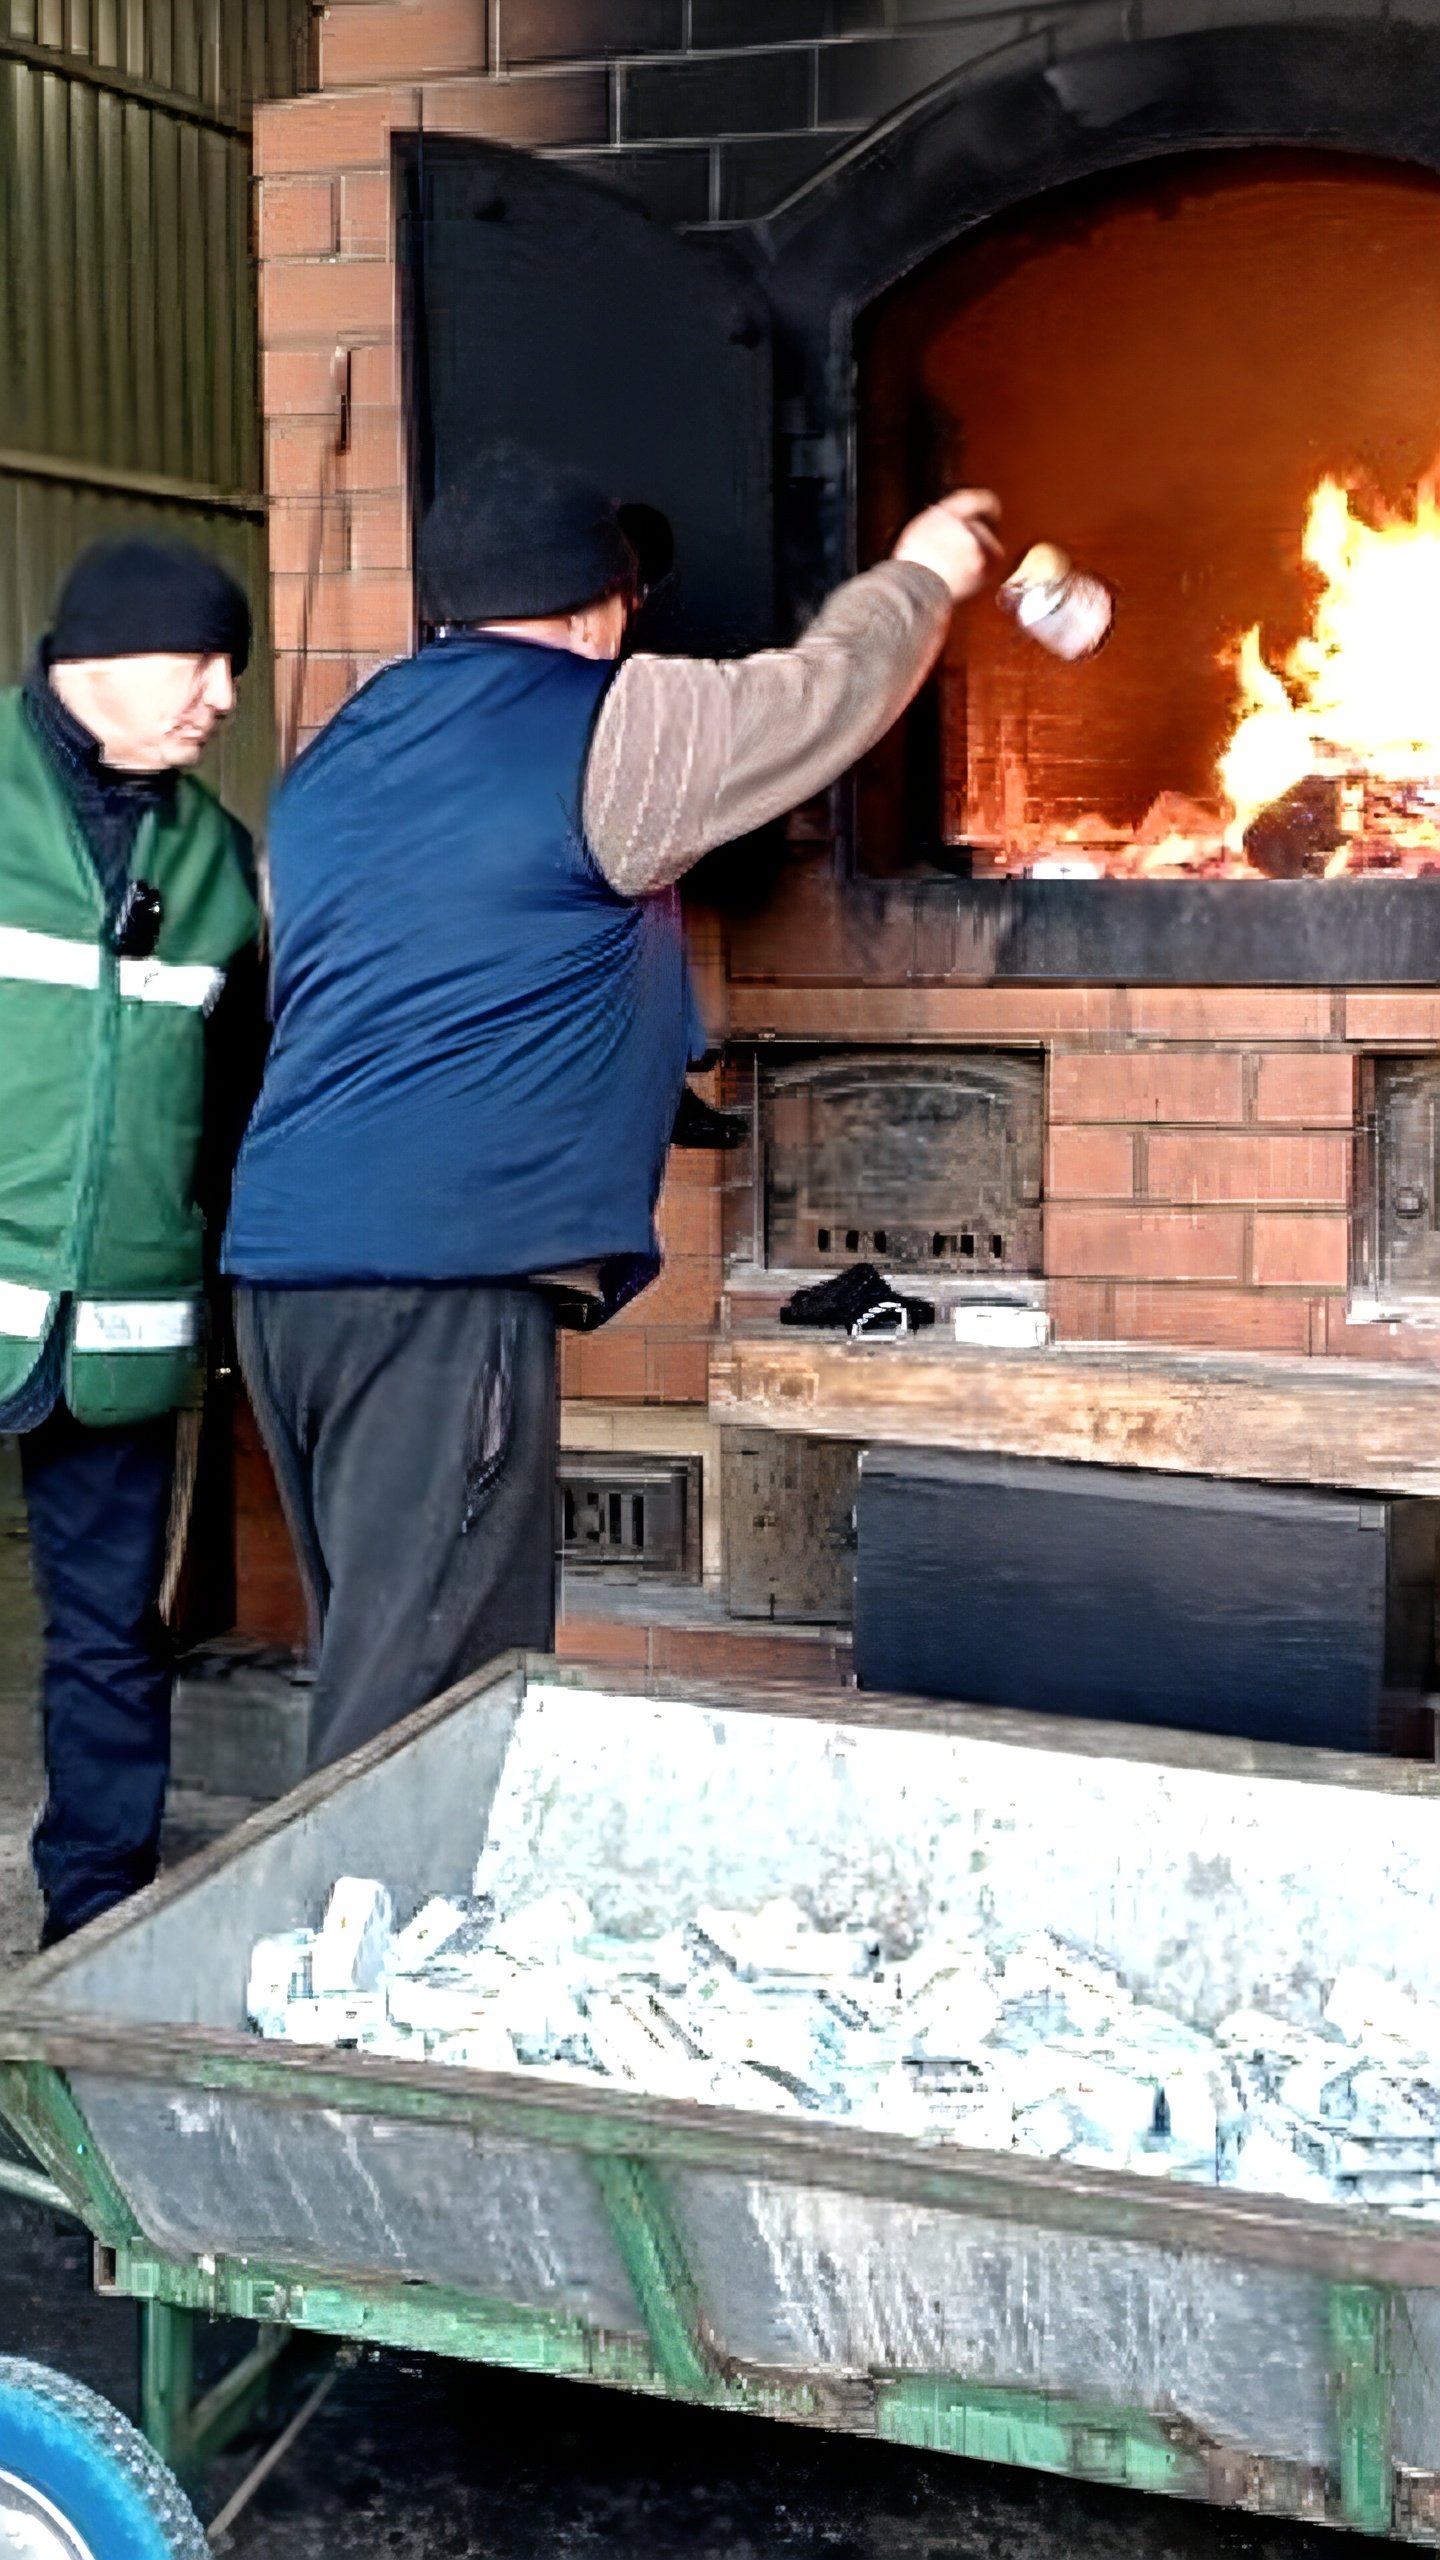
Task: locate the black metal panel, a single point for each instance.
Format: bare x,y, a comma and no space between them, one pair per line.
1378,931
921,1162
974,146
1145,1599
543,307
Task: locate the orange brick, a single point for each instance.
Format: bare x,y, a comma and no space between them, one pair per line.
376,459
1080,1310
293,524
269,1596
581,1639
380,531
737,1654
612,1365
373,610
1091,1164
1303,1171
1301,1253
298,382
1211,1319
1316,1090
375,374
677,1370
312,299
1346,1341
1230,1013
362,41
1147,1085
367,218
324,134
328,683
294,456
288,682
690,1220
297,218
686,1294
696,1168
1402,1017
1142,1243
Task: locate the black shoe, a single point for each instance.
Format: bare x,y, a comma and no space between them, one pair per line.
699,1124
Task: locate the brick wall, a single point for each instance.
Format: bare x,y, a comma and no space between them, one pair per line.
705,111
677,103
1200,1139
1201,1193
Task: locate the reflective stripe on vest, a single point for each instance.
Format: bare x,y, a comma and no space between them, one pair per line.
52,960
22,1311
163,982
136,1324
47,959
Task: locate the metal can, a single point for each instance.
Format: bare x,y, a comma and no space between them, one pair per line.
1062,607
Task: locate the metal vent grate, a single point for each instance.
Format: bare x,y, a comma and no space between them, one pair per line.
630,1514
920,1161
1398,1197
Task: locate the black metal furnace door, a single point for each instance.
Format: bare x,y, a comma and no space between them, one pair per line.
543,307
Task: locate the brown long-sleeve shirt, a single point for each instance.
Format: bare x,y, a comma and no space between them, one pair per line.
691,752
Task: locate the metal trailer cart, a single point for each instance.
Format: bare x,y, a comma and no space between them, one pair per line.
1279,2357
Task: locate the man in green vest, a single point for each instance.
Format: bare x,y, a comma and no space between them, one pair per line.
126,893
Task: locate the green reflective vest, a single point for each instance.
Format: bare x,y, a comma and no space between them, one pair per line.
102,1065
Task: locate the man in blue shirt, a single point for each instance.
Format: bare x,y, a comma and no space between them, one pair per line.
482,1026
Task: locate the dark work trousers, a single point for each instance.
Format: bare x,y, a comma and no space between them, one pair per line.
99,1506
413,1433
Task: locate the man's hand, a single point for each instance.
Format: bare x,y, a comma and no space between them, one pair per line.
958,540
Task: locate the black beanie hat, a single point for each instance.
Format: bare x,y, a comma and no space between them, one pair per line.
517,537
131,594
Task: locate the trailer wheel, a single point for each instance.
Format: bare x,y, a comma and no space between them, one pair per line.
78,2482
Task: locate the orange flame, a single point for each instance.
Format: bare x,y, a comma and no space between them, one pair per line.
1361,692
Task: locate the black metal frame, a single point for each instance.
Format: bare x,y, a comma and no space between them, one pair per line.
971,149
974,149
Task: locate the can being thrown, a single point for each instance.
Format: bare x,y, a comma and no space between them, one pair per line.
1062,607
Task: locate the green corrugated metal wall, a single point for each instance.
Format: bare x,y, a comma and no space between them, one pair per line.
127,308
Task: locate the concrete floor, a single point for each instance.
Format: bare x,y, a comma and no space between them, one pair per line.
415,2460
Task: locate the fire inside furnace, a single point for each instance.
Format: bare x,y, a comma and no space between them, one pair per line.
1215,382
1333,764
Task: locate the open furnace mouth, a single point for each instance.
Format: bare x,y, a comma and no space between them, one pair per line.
1218,383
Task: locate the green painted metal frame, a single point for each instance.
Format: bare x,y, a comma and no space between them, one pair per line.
1360,2338
185,2431
631,2148
1028,2429
677,2358
1036,2431
38,2103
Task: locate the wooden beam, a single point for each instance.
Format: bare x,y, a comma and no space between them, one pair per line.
1281,1421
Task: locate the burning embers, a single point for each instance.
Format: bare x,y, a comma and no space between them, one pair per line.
1333,765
